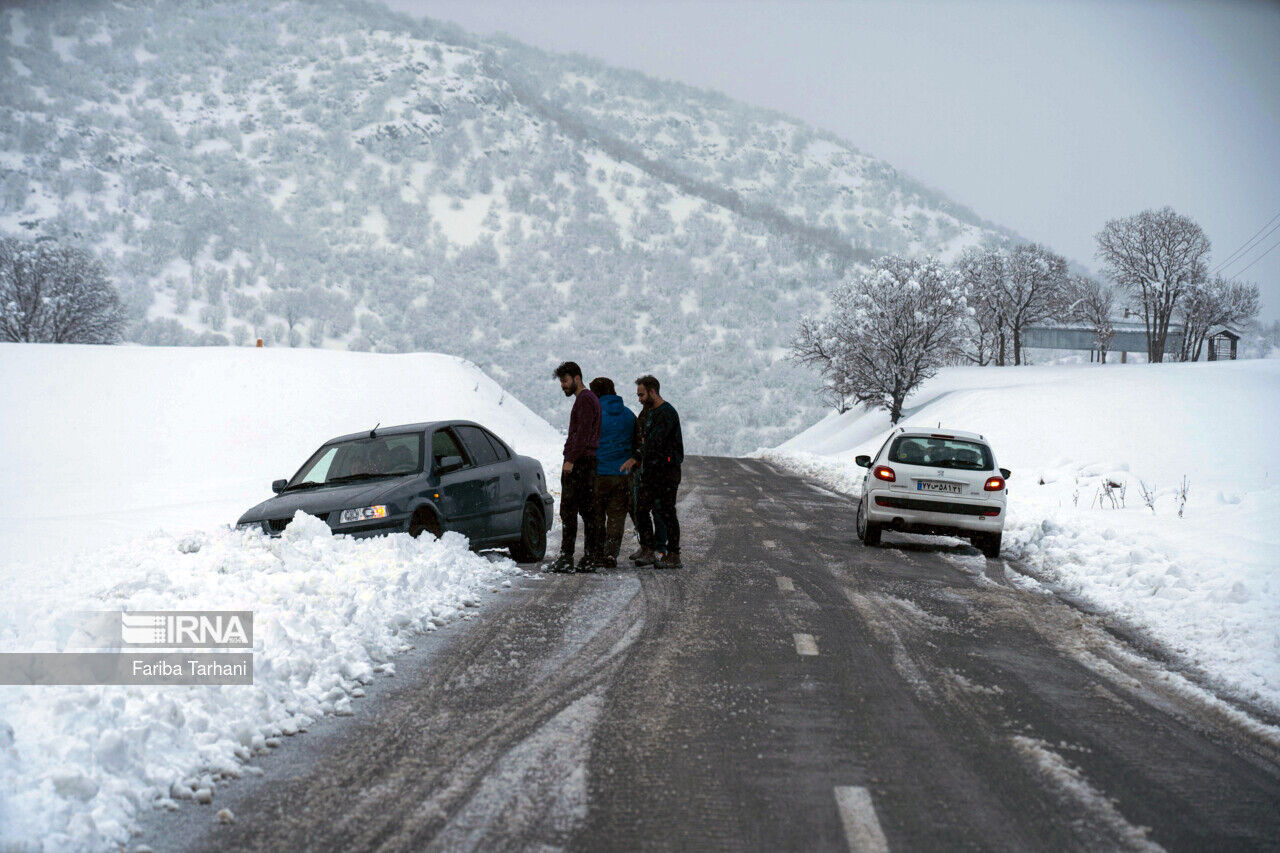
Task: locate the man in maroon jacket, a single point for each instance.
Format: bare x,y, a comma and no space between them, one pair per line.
578,475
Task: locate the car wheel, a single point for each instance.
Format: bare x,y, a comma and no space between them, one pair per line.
989,544
532,546
868,530
424,521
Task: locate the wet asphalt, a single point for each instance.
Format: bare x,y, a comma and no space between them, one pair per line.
788,690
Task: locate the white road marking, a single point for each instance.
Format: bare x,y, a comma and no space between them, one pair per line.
861,826
805,644
785,584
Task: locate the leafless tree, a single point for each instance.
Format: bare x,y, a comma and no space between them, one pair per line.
889,330
980,272
1158,256
1090,302
1034,279
1008,290
1212,304
52,293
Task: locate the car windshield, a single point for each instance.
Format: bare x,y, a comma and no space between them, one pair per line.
937,452
361,459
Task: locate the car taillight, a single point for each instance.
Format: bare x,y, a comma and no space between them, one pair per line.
884,472
994,484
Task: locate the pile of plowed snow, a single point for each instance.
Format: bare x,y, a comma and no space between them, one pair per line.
123,468
1206,585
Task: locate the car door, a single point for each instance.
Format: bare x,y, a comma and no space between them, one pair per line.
511,489
461,500
486,474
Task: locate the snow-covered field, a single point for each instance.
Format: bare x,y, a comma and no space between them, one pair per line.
1206,585
122,468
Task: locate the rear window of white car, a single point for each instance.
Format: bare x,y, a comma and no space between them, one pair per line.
937,452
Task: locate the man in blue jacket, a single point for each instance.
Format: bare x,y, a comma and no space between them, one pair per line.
613,485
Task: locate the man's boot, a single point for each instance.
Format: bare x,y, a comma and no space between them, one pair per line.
562,564
669,560
644,557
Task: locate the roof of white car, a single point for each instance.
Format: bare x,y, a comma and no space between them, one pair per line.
942,431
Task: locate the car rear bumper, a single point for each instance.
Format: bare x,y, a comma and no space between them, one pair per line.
548,510
899,511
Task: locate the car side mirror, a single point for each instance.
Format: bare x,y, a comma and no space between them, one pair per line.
863,461
445,464
1006,473
277,486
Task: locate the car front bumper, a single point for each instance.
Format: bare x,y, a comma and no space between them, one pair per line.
398,523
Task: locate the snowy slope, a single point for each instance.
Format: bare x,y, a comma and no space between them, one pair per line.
1206,585
330,174
122,468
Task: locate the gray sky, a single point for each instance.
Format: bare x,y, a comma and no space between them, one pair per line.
1048,118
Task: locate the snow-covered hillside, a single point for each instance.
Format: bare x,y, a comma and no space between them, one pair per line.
330,174
1206,585
123,467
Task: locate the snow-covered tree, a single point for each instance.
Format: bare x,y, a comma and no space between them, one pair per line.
1090,302
56,294
1033,282
889,330
1158,256
1214,303
980,272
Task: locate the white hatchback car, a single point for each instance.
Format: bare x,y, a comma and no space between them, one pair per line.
931,481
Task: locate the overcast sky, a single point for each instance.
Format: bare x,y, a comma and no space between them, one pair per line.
1048,118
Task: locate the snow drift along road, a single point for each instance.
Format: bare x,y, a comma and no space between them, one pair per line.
122,468
1205,585
104,443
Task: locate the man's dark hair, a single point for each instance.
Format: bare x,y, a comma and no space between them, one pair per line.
570,369
602,385
649,382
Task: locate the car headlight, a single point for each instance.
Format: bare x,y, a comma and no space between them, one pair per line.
249,525
364,513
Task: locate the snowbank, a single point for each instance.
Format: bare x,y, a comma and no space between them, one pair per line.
122,468
1205,585
77,764
106,443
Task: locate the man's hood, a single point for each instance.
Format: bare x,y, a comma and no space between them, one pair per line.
324,499
612,404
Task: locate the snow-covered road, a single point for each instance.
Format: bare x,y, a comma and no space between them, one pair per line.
788,690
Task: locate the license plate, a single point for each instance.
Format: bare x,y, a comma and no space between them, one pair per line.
930,486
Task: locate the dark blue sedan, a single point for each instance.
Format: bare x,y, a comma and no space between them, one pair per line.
432,477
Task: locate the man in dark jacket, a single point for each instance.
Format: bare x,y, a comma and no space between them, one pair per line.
578,474
613,486
648,551
659,460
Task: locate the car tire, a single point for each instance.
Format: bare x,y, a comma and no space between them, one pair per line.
424,521
868,530
532,545
988,544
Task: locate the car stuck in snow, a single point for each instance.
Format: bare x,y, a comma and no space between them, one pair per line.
432,477
934,482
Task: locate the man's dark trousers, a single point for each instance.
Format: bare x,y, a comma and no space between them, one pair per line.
658,487
613,498
578,497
